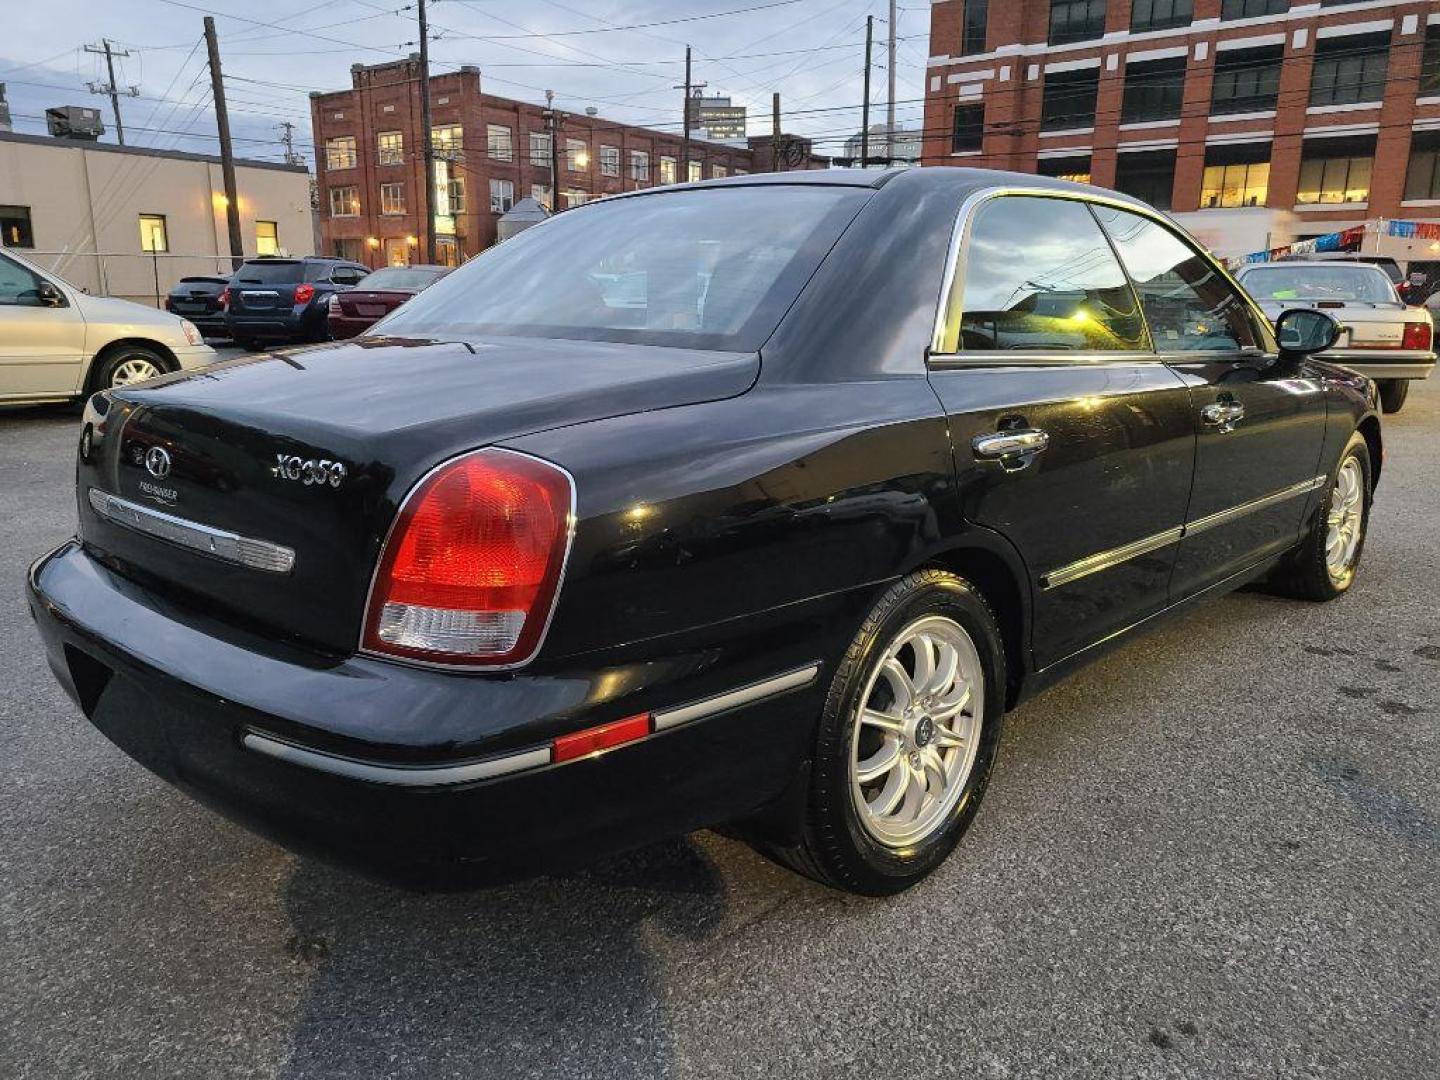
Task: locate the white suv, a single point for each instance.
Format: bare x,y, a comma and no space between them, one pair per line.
58,343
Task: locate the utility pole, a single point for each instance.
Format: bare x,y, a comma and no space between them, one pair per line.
775,131
287,139
685,142
227,152
426,144
890,96
106,49
552,121
865,108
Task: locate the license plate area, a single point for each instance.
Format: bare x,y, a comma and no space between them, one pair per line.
370,311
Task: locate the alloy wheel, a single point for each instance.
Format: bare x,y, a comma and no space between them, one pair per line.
1345,521
133,370
918,731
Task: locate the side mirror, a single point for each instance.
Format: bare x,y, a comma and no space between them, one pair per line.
49,295
1302,331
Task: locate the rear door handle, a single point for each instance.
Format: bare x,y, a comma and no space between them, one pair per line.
1223,414
1014,449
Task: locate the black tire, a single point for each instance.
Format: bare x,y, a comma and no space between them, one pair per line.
114,360
1393,393
250,345
1306,574
837,849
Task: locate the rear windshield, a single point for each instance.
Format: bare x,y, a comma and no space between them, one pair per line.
204,281
270,273
703,269
1316,281
400,277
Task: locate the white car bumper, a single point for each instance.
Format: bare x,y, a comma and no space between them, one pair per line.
191,357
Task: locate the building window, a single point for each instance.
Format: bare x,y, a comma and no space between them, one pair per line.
1154,90
1422,178
1252,9
718,171
152,233
1160,14
1235,175
347,249
1076,20
1148,176
1075,169
15,230
392,198
577,155
967,131
1336,170
541,194
397,251
667,170
1430,62
392,147
1070,99
500,146
502,195
540,149
456,188
448,141
609,161
640,166
1246,80
267,238
972,26
742,172
573,197
340,152
695,172
344,202
1349,69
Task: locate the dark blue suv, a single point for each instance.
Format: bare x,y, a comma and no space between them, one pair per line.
279,301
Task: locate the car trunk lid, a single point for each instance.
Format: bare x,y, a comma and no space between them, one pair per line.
370,303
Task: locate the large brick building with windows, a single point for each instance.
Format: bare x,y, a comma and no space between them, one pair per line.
491,152
1329,112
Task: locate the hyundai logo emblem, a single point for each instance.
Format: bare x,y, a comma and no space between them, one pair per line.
157,462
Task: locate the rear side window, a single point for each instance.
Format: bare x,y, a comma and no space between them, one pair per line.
271,273
1039,274
1188,304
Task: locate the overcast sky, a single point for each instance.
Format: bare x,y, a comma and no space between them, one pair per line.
590,52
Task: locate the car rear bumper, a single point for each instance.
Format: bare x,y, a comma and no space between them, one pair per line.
281,324
1384,363
419,776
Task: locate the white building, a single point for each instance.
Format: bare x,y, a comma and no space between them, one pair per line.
904,151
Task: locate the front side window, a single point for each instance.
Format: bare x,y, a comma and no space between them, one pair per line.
577,155
1246,80
967,133
502,195
1148,176
1160,14
1350,69
640,166
152,233
340,152
1336,170
391,147
345,201
1039,275
267,238
667,170
1069,100
609,161
19,287
1076,20
1154,90
1252,9
707,269
498,143
973,20
540,149
392,198
15,228
1189,305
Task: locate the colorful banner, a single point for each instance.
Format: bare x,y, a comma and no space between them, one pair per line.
1348,240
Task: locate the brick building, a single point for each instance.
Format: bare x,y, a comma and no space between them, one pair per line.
491,153
1326,112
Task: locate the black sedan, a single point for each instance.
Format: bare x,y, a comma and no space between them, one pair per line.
753,503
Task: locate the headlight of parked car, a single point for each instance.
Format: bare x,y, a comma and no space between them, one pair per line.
192,332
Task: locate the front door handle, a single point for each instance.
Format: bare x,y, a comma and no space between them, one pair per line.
1014,449
1223,414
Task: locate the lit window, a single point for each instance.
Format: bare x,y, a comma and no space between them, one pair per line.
392,147
1235,185
717,171
344,202
502,195
577,155
448,140
609,161
499,144
1334,180
340,152
667,170
152,233
696,171
15,229
1075,168
392,199
267,238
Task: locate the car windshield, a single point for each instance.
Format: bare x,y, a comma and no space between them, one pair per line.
270,272
702,269
401,277
1317,281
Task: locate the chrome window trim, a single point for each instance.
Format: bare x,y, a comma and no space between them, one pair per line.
960,242
218,544
1112,557
666,719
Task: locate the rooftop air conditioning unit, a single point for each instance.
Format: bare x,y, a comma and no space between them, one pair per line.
74,122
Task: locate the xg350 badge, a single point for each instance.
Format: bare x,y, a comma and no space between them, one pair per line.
308,470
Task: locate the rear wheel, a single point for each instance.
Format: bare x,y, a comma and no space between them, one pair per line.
1325,563
1393,393
129,364
907,739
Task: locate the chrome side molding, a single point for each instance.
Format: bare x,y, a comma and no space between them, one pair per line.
217,543
780,684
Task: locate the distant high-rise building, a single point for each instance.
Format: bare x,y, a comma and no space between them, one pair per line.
716,119
4,110
904,149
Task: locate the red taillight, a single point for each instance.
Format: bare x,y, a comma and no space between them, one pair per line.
224,300
596,739
304,293
470,572
1417,336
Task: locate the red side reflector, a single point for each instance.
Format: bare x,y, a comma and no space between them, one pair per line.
605,737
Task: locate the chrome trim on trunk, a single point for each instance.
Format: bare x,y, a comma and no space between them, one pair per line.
217,543
400,775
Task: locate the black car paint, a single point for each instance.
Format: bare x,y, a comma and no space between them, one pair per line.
198,299
737,517
281,319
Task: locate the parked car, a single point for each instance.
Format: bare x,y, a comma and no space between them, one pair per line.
376,295
1380,337
532,577
275,301
1384,263
57,342
198,299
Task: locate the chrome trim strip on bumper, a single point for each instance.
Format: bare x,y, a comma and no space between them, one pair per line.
217,543
780,684
1104,560
536,757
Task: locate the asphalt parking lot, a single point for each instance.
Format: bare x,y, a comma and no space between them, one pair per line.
1214,854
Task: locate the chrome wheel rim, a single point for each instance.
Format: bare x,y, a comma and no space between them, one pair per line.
1345,520
917,731
136,369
